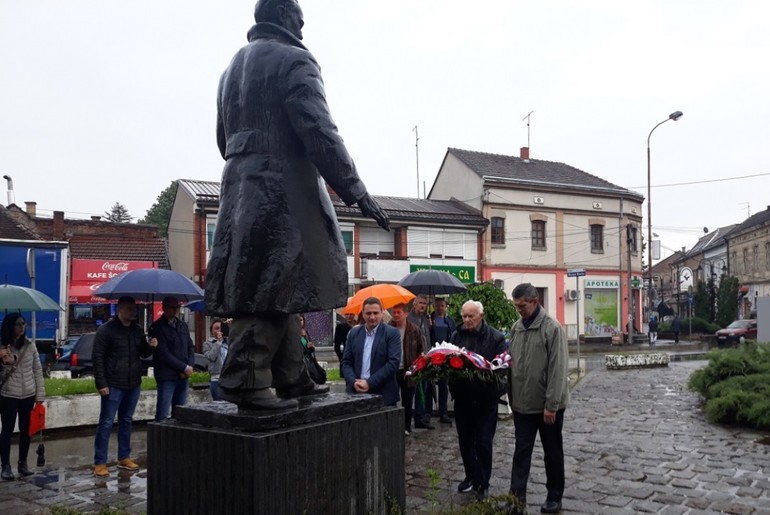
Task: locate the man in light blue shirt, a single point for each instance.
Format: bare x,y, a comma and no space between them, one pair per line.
372,355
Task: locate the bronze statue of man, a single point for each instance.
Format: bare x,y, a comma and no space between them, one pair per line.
277,247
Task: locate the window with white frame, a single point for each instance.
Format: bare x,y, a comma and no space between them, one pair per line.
376,242
441,243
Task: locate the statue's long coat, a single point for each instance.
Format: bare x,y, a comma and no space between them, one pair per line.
277,246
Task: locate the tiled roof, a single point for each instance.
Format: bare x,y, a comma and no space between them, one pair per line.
11,229
752,221
402,208
116,247
713,239
532,172
397,208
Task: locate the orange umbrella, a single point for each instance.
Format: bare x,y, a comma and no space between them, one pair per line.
389,295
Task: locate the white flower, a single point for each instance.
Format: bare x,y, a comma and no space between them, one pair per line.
447,346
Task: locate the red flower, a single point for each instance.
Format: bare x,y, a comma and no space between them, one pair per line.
456,362
438,359
420,363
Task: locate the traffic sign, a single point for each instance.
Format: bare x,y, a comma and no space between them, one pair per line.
576,272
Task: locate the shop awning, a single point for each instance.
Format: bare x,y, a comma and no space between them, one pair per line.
88,274
82,293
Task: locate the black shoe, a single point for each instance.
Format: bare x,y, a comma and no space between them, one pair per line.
445,420
7,473
423,425
24,470
466,485
482,493
551,507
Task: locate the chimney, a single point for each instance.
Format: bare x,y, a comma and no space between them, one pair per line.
524,154
57,232
31,208
96,218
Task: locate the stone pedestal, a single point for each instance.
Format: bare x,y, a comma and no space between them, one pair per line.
335,454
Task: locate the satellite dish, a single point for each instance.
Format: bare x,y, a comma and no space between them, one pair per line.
705,230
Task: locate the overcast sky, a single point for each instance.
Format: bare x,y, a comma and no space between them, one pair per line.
107,100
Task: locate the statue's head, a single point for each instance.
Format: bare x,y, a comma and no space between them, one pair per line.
286,13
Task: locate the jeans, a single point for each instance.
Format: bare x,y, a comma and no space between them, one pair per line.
170,393
120,401
527,427
9,408
476,423
214,389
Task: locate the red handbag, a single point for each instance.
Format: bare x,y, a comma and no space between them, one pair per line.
37,419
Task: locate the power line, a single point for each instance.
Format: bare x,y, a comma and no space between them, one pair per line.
706,181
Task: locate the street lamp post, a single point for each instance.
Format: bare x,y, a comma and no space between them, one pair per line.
673,116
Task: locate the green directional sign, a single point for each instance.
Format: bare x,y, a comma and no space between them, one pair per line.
466,274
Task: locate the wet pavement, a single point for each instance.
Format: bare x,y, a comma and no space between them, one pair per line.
636,441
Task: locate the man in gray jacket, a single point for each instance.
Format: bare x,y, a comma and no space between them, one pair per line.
539,361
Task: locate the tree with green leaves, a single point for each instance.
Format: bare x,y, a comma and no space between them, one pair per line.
700,302
118,213
160,212
499,311
727,300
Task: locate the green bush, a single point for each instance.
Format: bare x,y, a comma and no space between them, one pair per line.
736,385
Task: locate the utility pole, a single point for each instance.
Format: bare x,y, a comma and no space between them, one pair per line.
631,299
417,157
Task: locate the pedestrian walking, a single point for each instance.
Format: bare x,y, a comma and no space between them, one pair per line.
676,327
653,330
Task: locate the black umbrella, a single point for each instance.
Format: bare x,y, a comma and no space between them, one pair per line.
432,282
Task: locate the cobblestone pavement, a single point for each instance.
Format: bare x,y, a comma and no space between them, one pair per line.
636,441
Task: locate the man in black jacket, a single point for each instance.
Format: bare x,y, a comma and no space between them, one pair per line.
476,401
118,347
174,358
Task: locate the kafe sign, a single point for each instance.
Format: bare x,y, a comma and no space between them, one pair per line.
602,283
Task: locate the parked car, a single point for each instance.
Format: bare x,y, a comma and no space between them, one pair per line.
737,332
80,363
64,350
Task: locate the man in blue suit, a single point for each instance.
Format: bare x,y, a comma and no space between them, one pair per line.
372,355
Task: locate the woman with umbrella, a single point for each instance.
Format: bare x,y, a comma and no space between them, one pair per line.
22,387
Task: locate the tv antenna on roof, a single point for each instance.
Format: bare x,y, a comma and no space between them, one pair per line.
527,118
748,207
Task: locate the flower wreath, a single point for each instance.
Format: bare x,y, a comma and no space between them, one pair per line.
447,361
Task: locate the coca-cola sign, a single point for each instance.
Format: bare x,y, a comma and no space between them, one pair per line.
121,266
101,270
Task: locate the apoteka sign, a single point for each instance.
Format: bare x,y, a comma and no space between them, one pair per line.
602,283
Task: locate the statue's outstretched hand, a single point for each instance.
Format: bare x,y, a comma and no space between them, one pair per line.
371,209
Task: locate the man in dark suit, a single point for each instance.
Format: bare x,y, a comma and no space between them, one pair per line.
372,355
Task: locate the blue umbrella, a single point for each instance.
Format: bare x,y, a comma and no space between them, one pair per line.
196,306
150,284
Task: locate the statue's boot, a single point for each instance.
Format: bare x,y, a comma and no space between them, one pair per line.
261,399
303,389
